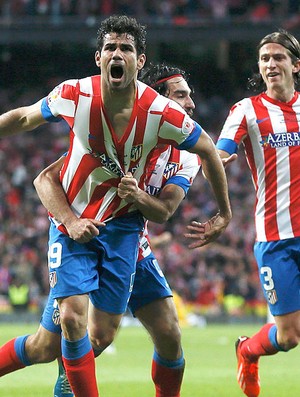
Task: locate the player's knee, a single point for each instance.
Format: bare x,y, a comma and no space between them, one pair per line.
167,341
72,321
170,332
289,340
101,341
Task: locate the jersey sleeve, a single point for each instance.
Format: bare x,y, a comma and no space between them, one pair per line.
177,128
185,176
61,102
234,130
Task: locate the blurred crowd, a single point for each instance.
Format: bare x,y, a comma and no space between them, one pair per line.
177,11
218,279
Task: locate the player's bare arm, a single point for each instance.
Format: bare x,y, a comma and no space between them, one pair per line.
226,157
215,174
21,119
156,209
52,196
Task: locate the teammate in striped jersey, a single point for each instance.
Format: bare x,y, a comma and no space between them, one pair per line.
268,124
117,123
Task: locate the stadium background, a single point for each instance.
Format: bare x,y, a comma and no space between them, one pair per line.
44,42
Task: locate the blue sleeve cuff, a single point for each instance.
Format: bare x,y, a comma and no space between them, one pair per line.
179,181
228,145
46,112
191,139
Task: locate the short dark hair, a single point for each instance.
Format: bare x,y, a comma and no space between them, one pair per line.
288,41
156,72
123,24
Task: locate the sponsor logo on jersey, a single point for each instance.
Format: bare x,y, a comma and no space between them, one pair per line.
52,279
107,162
281,139
153,190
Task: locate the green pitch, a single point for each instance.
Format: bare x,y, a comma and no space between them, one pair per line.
210,366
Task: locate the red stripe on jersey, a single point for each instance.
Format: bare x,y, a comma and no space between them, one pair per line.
97,199
145,103
96,136
119,144
122,211
69,91
292,126
295,190
85,167
173,116
240,131
67,159
271,226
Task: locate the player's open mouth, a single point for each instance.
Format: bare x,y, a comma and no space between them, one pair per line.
116,71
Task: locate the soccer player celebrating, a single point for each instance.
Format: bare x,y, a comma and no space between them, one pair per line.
151,299
268,125
116,123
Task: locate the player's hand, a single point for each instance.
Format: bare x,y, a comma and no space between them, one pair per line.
128,188
205,233
83,230
228,160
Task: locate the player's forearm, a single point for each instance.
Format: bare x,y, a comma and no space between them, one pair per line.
215,174
20,120
53,198
152,207
213,170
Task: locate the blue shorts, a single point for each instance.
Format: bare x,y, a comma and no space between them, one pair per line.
107,263
149,284
51,317
279,271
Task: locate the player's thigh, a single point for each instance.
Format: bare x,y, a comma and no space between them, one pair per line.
102,326
159,317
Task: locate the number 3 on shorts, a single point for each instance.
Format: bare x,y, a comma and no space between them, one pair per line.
266,271
54,255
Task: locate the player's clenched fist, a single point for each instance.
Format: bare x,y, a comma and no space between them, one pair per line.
83,230
128,188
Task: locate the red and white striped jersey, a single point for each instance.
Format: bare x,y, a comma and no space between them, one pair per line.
96,158
173,166
269,130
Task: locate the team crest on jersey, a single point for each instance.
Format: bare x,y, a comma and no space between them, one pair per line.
136,152
281,139
54,94
52,279
272,296
56,317
170,169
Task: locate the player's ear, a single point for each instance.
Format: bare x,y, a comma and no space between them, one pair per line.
97,58
141,61
296,66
